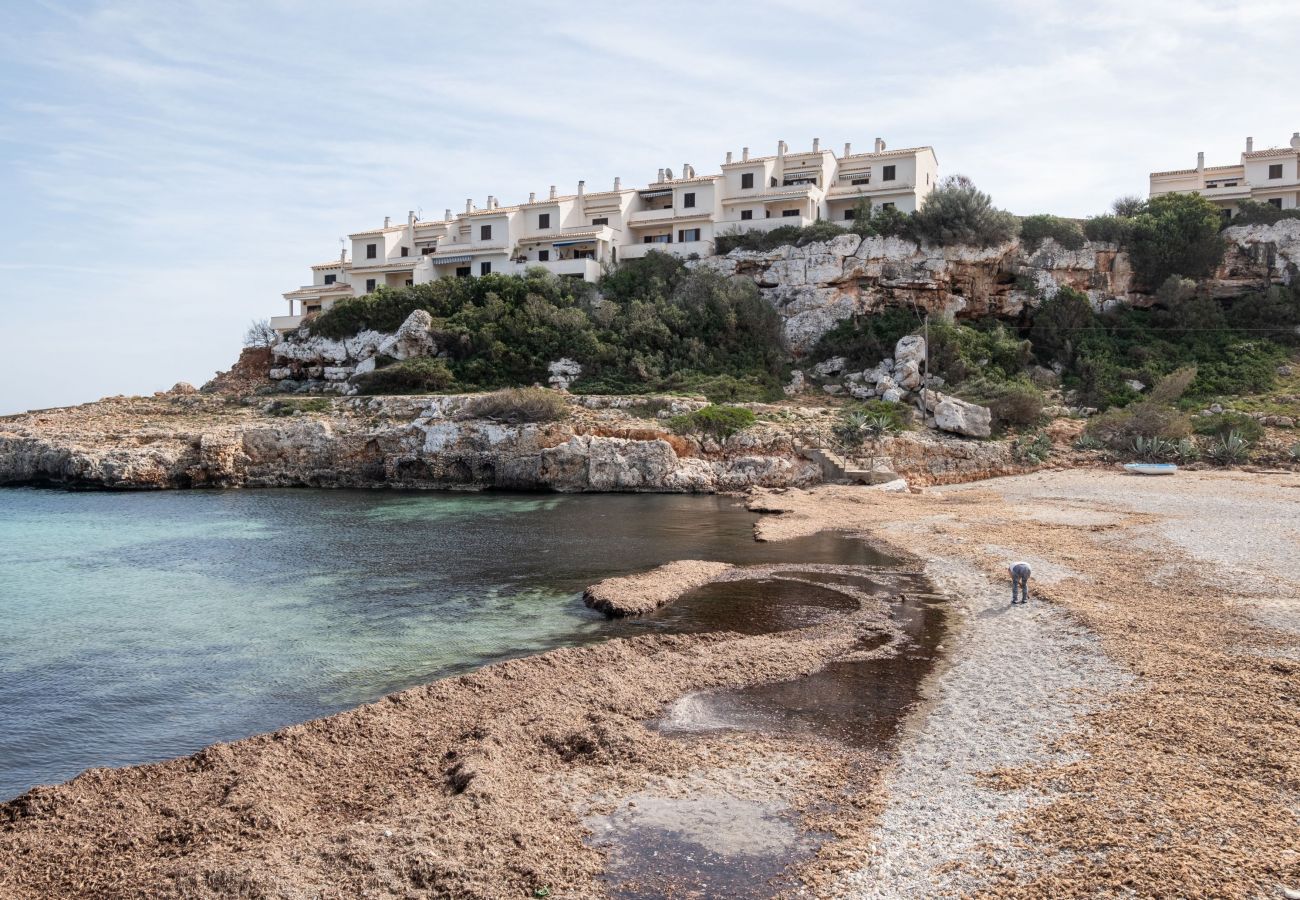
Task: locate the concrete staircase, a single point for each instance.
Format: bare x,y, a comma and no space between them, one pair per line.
837,470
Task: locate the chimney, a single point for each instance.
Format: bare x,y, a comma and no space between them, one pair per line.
780,149
582,188
532,196
469,205
1200,161
728,157
410,218
1250,145
880,145
388,220
1295,140
817,144
744,154
552,194
618,183
491,202
660,178
848,149
446,216
343,255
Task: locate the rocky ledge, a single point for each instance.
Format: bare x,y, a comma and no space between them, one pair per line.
182,439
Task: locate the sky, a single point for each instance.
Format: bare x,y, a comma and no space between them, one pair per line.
169,168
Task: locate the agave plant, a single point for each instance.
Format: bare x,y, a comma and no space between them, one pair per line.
1187,451
855,427
1230,449
1032,449
1154,449
1088,442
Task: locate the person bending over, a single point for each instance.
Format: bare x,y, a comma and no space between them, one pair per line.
1019,582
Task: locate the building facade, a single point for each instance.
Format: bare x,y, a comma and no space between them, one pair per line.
1264,176
579,235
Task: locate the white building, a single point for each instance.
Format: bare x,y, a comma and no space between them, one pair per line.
1265,176
580,234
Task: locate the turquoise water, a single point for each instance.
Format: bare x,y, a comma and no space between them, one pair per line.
140,626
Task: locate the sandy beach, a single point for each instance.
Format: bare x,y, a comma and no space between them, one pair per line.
1133,731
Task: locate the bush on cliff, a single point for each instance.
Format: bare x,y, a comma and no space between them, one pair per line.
782,235
1251,212
653,320
957,212
983,347
864,340
516,406
1013,403
1108,229
1175,234
719,422
1036,229
412,376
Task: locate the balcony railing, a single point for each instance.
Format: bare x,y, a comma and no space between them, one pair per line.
761,224
680,248
650,215
285,323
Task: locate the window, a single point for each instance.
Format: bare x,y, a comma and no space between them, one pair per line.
584,254
330,279
462,271
544,220
888,173
1275,170
747,180
543,255
485,232
406,251
688,234
746,214
1226,214
658,239
372,250
887,205
425,251
787,213
848,213
409,282
485,268
688,200
1276,202
370,285
600,220
861,179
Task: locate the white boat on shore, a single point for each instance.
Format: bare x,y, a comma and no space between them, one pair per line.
1150,468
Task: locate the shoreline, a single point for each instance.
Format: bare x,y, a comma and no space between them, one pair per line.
1012,777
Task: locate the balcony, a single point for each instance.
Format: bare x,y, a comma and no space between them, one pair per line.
588,269
682,248
285,323
841,191
1238,191
762,224
648,216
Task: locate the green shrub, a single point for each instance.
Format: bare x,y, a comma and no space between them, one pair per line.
1252,212
1176,234
719,422
880,221
1036,229
1012,403
1187,451
957,212
1220,425
871,420
1128,206
792,235
727,388
1231,449
1117,429
1061,325
307,405
984,347
1108,229
516,406
1034,448
864,340
412,376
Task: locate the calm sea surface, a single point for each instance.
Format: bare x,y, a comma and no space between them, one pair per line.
139,626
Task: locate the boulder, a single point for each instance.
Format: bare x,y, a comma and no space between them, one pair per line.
797,383
910,349
893,395
563,372
960,417
832,366
412,339
908,375
183,387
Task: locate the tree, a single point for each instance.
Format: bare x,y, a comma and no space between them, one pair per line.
957,212
260,334
1128,206
1060,325
1176,234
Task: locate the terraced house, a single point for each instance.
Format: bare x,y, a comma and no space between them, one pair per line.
577,235
1265,176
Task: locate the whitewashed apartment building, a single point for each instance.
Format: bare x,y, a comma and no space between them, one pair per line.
1265,176
580,234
